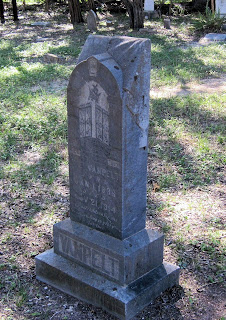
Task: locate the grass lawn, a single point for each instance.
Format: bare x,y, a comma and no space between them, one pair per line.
185,168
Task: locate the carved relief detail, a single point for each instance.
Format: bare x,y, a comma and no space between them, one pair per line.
94,113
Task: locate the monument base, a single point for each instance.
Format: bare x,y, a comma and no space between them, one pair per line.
121,261
123,302
151,14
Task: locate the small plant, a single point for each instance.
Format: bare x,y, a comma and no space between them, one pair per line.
210,21
21,297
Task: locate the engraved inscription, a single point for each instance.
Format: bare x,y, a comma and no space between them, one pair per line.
89,256
95,137
96,196
93,112
85,121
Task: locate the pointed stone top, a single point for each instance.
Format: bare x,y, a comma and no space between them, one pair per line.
92,21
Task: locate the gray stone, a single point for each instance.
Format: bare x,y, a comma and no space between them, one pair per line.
120,261
221,7
223,27
103,254
167,23
114,163
148,5
92,21
52,58
214,37
123,302
40,24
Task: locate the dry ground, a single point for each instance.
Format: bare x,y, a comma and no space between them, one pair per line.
27,217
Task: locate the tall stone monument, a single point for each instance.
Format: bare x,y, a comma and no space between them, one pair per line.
148,5
103,254
221,7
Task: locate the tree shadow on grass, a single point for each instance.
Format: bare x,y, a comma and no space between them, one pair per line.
173,64
44,170
180,135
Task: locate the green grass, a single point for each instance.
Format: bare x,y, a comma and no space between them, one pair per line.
186,142
33,113
185,132
173,64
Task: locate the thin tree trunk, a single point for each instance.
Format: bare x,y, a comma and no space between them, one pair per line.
47,5
212,5
91,5
2,12
138,12
170,7
75,11
129,7
15,12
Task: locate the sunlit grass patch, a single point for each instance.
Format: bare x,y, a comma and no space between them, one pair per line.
172,64
37,117
193,232
26,75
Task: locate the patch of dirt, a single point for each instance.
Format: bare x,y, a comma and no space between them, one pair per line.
206,86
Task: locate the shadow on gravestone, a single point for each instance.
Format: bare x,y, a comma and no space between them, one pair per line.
92,21
103,254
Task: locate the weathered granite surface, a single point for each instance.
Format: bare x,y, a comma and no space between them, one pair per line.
209,37
103,254
108,174
122,301
92,21
120,261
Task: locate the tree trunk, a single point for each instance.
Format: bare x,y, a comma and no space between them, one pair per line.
47,5
75,11
138,12
91,5
129,7
2,12
170,7
212,6
15,12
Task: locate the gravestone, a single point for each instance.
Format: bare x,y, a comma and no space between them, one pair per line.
148,9
92,21
167,24
103,254
221,7
148,5
213,37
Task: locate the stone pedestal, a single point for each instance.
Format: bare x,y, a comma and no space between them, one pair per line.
103,254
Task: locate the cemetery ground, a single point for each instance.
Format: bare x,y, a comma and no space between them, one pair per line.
186,187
